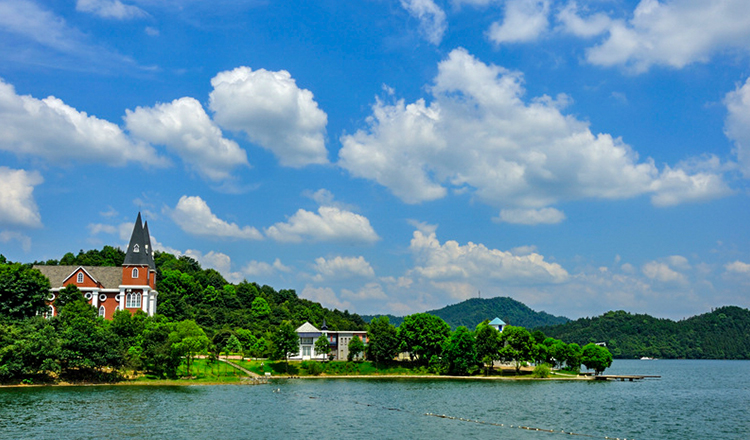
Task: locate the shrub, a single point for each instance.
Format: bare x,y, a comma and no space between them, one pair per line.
543,370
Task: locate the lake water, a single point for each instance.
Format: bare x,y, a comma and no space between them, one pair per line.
692,400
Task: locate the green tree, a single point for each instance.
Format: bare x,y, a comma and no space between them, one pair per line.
517,346
488,345
322,346
233,345
595,357
286,342
157,354
356,348
573,356
23,291
423,335
260,308
460,353
384,343
188,339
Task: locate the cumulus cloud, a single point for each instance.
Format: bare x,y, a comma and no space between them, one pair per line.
325,296
342,267
662,272
257,268
17,205
671,33
531,216
524,21
572,22
193,216
185,129
111,9
738,267
370,291
737,124
328,224
431,18
471,263
479,134
273,112
67,135
23,239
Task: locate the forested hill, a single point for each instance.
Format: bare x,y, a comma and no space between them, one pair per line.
722,334
471,312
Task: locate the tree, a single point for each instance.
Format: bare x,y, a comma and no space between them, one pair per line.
188,339
233,345
517,346
23,291
488,345
423,335
158,357
356,347
260,308
322,346
595,357
383,345
460,353
286,342
573,357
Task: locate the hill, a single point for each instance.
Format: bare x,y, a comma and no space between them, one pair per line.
723,333
471,312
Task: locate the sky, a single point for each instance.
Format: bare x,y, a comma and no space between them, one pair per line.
391,156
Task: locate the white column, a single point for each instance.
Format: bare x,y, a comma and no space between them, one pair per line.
122,299
95,300
145,297
152,309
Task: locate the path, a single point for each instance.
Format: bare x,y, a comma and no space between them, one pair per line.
245,370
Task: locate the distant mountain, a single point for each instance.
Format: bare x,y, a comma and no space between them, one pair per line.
723,333
471,312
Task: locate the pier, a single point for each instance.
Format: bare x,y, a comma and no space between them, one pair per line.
624,377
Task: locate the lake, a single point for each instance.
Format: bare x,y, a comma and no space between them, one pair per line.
692,400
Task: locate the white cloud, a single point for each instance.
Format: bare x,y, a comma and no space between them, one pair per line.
257,268
98,228
737,124
113,9
273,112
370,291
329,224
662,272
23,239
531,216
674,33
738,267
342,267
475,263
478,134
571,22
67,135
185,128
193,216
431,18
325,296
525,20
17,205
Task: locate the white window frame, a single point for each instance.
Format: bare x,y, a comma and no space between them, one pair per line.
133,300
136,248
101,311
79,280
134,274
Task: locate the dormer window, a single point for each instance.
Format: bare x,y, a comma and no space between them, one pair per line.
136,248
79,280
135,272
146,248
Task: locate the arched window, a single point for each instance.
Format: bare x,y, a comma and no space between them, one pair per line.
50,312
101,311
135,272
133,300
80,277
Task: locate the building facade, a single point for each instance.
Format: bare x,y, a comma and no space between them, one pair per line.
338,342
131,287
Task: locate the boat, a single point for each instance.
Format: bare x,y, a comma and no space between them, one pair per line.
646,358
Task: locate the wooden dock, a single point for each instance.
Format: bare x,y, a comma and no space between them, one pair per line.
624,377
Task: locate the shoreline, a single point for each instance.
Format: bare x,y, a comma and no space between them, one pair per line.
178,382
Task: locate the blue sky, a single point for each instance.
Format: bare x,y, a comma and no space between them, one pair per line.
392,156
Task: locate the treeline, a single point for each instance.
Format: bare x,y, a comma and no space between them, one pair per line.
723,333
432,345
473,310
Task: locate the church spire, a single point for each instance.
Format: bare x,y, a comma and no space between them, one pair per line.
139,249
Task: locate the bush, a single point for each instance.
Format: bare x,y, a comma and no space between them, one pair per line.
313,368
543,370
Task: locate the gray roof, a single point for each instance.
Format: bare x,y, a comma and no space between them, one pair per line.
139,248
307,328
109,277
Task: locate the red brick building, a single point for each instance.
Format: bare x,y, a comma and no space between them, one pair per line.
131,287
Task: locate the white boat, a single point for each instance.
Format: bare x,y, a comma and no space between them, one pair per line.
646,358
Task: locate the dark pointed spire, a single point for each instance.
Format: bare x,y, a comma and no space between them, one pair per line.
324,326
137,253
147,238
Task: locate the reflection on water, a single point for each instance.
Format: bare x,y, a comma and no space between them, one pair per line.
693,399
